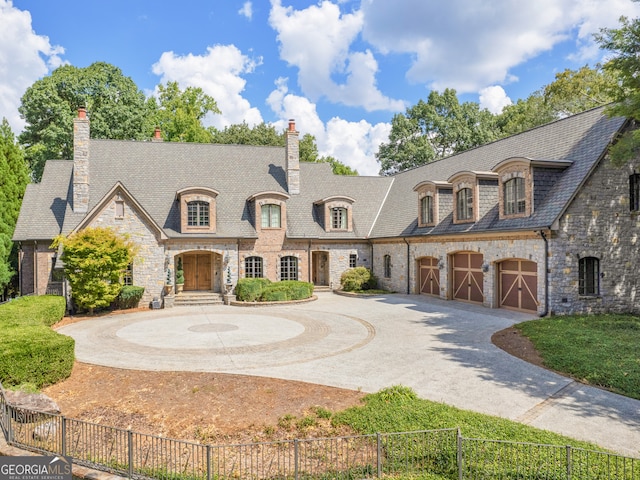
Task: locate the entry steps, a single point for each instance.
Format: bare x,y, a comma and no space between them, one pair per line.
187,299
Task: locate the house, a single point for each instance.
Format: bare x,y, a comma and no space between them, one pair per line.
540,221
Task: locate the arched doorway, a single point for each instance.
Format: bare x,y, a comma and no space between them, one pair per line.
198,271
429,276
518,284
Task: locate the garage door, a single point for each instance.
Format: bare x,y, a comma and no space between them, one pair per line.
518,284
429,276
467,277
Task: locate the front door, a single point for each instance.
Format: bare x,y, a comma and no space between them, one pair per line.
197,271
320,274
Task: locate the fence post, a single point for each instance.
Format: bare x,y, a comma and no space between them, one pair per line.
295,459
130,451
64,436
379,453
569,466
9,424
459,455
208,462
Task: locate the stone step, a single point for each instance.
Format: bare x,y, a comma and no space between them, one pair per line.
321,288
198,298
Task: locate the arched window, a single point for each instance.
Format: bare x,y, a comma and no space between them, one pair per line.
387,266
464,208
271,215
253,267
198,214
289,268
426,210
338,218
514,196
589,276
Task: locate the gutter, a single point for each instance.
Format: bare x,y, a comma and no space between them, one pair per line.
408,265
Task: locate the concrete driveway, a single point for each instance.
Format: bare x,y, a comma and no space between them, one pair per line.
441,349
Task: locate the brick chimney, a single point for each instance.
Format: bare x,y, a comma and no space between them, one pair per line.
81,162
292,152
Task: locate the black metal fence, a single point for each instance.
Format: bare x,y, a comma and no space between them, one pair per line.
409,454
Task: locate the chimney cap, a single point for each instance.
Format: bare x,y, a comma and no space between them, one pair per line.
292,125
82,113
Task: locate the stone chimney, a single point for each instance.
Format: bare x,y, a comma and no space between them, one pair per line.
81,162
292,152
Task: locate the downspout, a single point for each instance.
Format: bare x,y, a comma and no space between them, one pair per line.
546,274
408,266
20,259
309,262
35,267
371,256
238,266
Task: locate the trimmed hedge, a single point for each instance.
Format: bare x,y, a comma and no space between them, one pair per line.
129,297
359,278
263,290
30,352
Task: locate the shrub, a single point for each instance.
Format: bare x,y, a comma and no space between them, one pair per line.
275,294
129,297
250,289
30,352
359,278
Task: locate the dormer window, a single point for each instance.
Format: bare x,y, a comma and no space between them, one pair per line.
429,202
198,214
336,213
197,210
514,196
270,215
464,204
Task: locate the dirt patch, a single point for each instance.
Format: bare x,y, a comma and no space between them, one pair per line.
213,407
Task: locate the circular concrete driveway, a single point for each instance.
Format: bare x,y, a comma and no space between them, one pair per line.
441,349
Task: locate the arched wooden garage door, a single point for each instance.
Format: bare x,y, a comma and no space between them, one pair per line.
429,276
518,284
467,276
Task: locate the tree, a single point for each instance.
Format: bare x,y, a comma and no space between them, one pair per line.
575,91
434,129
117,108
524,115
94,262
243,134
624,43
14,177
179,113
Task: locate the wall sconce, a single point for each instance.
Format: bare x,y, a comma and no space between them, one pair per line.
440,263
485,267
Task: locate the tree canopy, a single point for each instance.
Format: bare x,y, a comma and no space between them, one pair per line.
117,108
95,260
434,129
14,176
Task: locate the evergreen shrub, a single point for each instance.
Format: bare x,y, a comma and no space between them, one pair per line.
358,278
129,297
250,289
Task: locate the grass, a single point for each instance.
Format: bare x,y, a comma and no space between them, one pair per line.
599,350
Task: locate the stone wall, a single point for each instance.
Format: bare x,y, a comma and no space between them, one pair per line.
36,265
598,223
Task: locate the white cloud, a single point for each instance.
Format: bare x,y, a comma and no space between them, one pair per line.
24,58
470,45
219,74
353,143
494,99
317,41
247,10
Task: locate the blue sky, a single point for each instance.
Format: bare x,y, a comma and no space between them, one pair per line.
341,68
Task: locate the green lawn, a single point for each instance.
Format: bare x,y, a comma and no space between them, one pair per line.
600,350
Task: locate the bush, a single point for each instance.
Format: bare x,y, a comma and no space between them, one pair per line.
275,294
359,278
250,289
30,352
129,297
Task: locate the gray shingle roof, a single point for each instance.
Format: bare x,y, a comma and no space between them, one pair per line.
582,138
152,172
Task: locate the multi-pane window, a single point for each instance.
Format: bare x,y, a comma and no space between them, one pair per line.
339,218
289,268
464,207
514,196
253,267
634,192
353,258
426,210
589,276
127,275
270,215
387,266
198,214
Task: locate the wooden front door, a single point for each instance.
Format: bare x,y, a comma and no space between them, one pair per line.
468,277
429,276
197,271
320,275
518,284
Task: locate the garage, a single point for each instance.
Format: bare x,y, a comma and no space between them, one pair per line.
467,278
518,284
429,276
